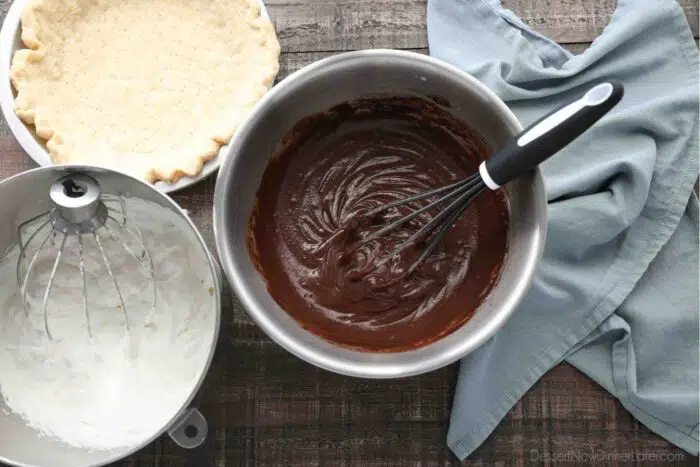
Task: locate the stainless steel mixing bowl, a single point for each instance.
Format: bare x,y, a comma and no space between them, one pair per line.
316,88
26,195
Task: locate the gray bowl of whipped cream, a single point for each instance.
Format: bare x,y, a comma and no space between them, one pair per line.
80,384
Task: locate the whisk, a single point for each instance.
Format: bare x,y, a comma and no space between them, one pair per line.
522,153
79,209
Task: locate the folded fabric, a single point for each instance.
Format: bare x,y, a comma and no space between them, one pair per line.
616,294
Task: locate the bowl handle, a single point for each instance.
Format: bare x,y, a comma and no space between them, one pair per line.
190,430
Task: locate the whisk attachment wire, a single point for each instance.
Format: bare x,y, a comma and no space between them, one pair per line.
147,264
81,265
80,209
23,284
23,246
47,292
111,274
107,198
20,228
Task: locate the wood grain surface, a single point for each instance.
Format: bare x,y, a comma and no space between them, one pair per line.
268,408
328,25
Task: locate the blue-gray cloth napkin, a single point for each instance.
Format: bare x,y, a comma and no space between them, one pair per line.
616,294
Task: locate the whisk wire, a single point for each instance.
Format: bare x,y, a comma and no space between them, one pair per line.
23,284
114,280
438,237
149,260
80,209
20,228
465,195
456,189
81,262
144,260
23,247
106,198
118,237
421,196
142,245
47,292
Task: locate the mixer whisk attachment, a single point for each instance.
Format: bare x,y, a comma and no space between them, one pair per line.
81,211
541,140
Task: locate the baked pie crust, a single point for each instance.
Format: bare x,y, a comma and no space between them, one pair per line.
152,88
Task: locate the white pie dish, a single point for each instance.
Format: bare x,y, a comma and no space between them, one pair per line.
33,145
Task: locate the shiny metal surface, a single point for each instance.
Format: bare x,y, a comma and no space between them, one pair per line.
27,195
318,87
77,198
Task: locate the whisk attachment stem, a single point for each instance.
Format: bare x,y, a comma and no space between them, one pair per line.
77,199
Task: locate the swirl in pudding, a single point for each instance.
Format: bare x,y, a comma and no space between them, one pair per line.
308,231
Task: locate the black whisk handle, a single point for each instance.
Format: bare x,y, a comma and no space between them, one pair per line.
548,135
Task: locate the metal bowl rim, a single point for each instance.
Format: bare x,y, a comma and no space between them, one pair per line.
279,335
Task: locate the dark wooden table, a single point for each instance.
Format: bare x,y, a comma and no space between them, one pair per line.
267,408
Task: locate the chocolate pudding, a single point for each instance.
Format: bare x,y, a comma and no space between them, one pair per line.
306,231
